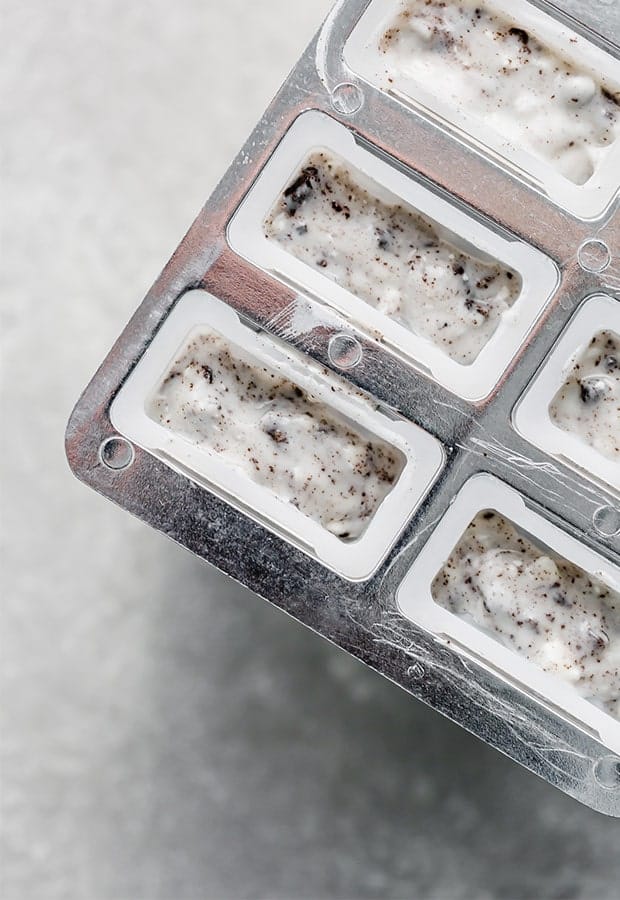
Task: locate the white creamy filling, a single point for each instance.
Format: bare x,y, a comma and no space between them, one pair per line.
588,404
543,607
274,433
487,67
392,258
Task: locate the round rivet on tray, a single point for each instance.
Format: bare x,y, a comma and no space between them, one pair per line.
594,256
345,351
347,99
607,772
606,521
416,672
116,453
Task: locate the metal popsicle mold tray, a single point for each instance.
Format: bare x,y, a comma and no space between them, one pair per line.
358,386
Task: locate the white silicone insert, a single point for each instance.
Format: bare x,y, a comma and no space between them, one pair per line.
362,55
355,560
531,417
415,599
315,131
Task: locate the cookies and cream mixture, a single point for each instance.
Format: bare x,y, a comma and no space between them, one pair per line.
273,432
588,404
484,64
542,607
388,255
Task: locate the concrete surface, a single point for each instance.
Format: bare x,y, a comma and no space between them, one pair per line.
166,735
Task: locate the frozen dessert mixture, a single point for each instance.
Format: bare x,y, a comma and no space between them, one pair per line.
486,66
273,432
389,256
543,607
588,405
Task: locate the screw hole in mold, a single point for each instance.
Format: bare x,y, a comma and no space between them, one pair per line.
594,256
607,773
347,99
116,453
606,521
345,351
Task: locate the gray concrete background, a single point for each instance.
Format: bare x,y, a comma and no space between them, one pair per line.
165,734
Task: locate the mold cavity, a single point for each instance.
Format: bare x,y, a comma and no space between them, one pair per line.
507,78
364,239
588,404
220,398
539,605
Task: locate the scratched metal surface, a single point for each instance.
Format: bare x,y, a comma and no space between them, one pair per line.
362,618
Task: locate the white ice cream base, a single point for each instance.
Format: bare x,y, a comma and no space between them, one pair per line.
531,416
415,600
316,131
363,56
356,560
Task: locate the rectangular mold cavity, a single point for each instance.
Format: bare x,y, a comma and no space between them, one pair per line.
559,386
442,251
545,99
560,556
223,404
